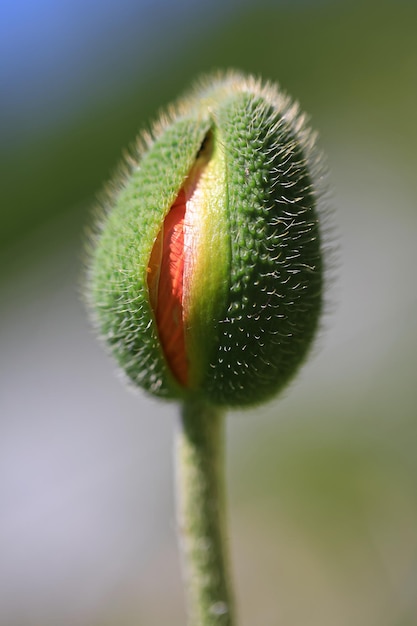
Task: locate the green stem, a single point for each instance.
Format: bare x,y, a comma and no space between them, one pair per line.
201,514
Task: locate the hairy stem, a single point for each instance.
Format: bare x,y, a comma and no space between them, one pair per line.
201,515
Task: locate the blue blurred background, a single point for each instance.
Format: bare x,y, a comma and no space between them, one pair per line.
323,482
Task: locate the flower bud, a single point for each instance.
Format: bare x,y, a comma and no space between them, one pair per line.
206,277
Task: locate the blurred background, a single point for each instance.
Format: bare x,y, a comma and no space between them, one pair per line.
323,482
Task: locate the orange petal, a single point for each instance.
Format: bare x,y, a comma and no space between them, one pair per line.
165,284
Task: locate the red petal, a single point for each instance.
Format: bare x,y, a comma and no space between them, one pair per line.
165,283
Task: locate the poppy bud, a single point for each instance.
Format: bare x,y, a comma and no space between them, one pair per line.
206,277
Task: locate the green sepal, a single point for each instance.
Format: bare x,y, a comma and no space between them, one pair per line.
209,284
118,278
272,309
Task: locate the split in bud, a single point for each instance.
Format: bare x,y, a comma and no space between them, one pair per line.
207,274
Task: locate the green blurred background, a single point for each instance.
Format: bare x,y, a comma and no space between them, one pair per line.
323,482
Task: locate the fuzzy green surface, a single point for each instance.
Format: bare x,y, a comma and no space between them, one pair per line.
256,293
275,295
118,279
